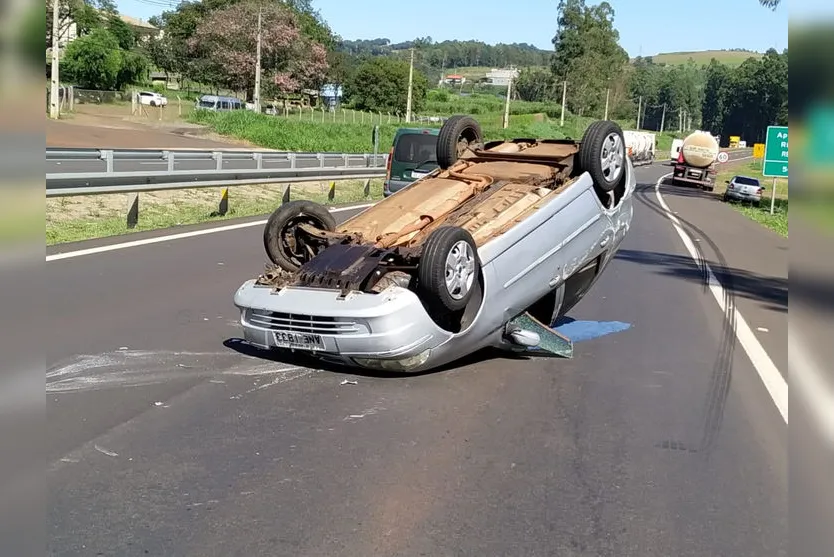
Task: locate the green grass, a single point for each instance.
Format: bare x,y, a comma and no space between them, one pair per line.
703,57
100,223
778,221
294,134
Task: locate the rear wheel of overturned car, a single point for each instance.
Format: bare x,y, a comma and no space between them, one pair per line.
285,243
602,153
458,134
448,269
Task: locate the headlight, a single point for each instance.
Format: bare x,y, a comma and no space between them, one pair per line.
400,364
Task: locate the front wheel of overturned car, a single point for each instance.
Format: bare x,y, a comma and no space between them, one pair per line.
458,134
285,243
602,153
448,269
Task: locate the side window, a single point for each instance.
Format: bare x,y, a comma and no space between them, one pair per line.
224,105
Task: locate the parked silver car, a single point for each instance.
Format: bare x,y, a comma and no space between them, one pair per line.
744,188
487,250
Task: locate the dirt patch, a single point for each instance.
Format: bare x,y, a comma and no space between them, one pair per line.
113,126
539,117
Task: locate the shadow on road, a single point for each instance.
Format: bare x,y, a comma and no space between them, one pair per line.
303,360
768,290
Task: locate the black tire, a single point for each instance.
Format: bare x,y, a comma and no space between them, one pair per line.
432,270
595,145
457,134
282,226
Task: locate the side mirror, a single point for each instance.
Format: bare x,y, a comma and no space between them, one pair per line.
726,181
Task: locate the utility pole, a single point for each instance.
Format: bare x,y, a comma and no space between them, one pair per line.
564,94
410,83
54,79
507,104
639,107
257,95
607,93
663,118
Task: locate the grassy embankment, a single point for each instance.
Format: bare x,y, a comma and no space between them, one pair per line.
321,133
70,219
778,221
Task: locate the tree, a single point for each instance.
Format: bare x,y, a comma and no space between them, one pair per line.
85,14
587,53
93,61
381,84
536,84
226,40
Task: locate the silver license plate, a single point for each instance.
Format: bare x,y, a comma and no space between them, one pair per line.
300,341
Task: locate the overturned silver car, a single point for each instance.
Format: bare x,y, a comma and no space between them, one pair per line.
486,251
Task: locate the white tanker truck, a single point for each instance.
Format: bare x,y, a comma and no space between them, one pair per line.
696,161
640,146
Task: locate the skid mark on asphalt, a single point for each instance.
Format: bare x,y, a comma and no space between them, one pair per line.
722,369
135,368
735,327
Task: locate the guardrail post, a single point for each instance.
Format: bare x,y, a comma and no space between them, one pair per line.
259,159
292,160
331,195
367,160
320,156
286,197
107,155
367,191
345,159
218,156
169,157
133,212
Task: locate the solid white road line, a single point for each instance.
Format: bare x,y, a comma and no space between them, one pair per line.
767,370
158,239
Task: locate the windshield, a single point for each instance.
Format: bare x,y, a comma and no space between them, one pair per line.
416,148
746,181
207,104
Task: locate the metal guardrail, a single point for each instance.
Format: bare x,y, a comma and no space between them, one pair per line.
99,171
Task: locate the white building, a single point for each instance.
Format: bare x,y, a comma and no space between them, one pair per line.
501,76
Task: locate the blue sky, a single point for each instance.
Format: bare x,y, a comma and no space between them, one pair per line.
646,27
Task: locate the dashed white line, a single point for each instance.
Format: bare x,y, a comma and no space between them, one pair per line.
181,235
773,380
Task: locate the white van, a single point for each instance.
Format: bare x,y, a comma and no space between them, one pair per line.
676,149
216,103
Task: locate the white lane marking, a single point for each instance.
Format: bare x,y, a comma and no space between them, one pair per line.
157,239
773,381
808,377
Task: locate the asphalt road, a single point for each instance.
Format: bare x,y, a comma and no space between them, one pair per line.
166,437
273,161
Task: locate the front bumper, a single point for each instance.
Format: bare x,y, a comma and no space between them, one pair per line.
389,330
739,196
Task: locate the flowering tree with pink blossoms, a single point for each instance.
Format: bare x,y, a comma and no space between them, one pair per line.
227,40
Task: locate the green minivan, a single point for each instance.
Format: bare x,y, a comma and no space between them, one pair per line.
412,156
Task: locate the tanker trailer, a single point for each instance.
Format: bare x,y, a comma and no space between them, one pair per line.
696,161
640,146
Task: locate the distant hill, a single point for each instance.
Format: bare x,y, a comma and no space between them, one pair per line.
728,57
452,54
